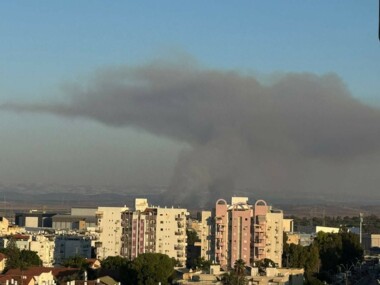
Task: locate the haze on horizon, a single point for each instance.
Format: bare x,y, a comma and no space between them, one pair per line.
204,124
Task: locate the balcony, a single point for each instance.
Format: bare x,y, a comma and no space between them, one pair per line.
178,247
99,214
99,230
178,233
181,225
98,244
179,219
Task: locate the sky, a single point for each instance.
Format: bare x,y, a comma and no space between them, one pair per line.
153,93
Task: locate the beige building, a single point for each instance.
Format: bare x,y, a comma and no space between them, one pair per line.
154,229
267,233
293,238
288,225
370,240
326,229
30,276
277,276
7,229
44,247
203,227
109,230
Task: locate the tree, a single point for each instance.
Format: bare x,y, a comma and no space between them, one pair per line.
150,269
13,253
192,237
76,262
21,259
30,258
114,262
237,275
202,264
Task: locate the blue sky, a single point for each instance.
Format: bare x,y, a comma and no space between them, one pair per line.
45,44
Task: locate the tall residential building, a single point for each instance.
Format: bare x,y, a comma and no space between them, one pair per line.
247,232
109,230
203,226
154,229
267,233
232,231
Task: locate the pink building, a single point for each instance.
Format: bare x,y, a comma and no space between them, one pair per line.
233,231
247,232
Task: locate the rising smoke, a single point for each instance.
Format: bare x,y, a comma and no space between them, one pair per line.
301,134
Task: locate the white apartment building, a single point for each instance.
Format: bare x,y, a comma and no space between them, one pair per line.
109,230
44,247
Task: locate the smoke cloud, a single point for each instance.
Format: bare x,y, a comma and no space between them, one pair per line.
301,135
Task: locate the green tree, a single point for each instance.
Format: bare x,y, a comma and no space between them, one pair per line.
76,262
150,269
114,262
20,258
202,264
30,258
237,275
13,253
192,237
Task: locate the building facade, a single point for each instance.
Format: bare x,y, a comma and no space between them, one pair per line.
247,232
154,229
67,246
109,230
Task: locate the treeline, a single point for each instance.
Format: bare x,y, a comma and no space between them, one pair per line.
371,223
146,269
325,256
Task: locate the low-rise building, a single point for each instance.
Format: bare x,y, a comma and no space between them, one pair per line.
30,276
67,246
277,276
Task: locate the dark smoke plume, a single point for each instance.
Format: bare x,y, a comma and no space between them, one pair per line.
302,134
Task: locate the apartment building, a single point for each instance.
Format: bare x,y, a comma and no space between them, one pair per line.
8,229
232,231
247,232
67,246
44,246
109,230
267,233
154,229
204,226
